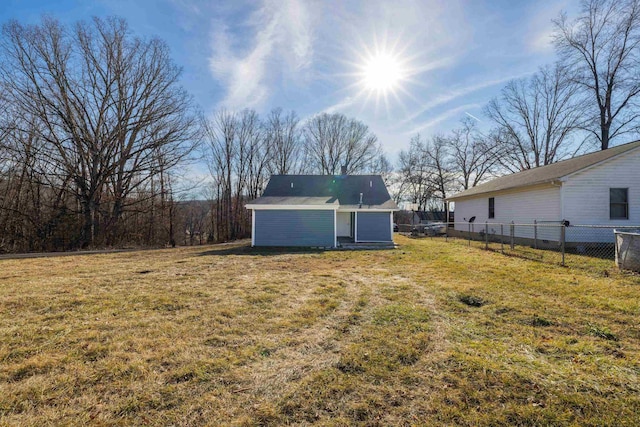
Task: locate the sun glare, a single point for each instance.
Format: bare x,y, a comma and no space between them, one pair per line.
382,73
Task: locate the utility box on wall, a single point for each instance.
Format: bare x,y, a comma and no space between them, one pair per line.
628,249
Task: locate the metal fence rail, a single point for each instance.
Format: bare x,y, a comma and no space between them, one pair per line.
551,241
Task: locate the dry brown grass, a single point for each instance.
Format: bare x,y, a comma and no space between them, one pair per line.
228,335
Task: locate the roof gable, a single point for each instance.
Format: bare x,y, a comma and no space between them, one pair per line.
548,173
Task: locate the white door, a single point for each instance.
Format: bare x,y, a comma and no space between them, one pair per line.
343,224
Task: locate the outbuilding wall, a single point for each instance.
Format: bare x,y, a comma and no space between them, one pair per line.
374,227
294,228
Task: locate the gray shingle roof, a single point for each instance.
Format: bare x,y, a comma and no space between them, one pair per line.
327,190
431,215
548,173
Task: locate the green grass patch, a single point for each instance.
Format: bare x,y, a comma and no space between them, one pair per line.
472,301
602,332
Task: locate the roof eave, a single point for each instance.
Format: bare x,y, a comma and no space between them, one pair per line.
253,206
272,206
560,179
533,184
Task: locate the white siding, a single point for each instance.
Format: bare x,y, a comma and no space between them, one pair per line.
586,194
465,209
520,206
583,200
586,197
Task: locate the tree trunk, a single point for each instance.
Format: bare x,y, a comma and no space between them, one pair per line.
604,140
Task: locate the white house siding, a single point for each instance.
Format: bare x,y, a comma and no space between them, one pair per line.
586,197
522,206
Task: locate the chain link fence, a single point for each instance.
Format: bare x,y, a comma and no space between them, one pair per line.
548,241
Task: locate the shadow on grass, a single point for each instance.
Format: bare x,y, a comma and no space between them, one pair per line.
246,249
592,258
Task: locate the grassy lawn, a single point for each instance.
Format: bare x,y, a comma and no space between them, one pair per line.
432,333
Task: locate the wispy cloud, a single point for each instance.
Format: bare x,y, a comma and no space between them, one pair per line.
542,41
458,93
187,6
473,117
281,45
540,28
441,118
341,105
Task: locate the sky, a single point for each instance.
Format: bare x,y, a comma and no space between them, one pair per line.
402,67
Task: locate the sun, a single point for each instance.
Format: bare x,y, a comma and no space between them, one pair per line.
382,73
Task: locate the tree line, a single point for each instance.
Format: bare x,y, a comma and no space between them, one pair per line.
93,123
96,130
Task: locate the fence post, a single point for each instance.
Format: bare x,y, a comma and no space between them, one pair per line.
535,234
486,235
512,232
446,232
501,237
562,240
469,234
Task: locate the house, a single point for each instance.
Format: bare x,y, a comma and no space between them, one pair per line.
322,211
601,188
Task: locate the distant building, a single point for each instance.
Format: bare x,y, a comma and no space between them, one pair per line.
427,217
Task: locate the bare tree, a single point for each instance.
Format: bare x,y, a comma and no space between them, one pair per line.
107,105
432,168
473,156
236,153
438,155
258,172
283,143
602,47
416,172
333,141
34,198
220,137
257,159
249,136
381,166
536,119
193,216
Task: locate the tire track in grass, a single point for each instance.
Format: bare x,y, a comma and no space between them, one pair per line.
307,345
383,348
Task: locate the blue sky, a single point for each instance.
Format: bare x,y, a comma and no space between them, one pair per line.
310,55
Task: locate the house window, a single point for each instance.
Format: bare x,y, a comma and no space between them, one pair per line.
619,203
492,207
